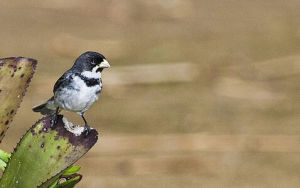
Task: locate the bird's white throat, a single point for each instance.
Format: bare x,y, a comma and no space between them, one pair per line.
92,74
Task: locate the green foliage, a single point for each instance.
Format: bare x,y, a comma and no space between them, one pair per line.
71,170
4,157
66,181
44,155
2,165
69,176
44,152
70,182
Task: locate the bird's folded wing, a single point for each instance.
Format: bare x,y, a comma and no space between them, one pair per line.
65,79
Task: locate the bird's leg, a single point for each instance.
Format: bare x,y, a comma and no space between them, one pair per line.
87,128
54,118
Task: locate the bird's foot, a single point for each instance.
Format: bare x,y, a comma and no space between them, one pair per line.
53,120
87,130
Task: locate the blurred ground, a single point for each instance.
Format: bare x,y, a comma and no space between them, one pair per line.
235,123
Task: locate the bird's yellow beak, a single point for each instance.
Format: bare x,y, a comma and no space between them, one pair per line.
104,64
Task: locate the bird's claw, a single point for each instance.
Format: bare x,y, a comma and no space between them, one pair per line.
53,120
87,130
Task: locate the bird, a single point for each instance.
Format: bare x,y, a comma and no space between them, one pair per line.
77,89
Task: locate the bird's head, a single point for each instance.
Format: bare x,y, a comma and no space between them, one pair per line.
91,61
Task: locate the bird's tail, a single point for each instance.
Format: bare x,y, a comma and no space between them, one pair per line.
47,108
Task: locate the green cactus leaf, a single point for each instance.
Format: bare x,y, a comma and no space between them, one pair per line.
71,170
70,182
4,155
15,76
53,182
45,152
2,165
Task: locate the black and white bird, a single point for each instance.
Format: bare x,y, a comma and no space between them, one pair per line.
78,88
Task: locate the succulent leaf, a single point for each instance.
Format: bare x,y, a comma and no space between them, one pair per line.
15,76
70,182
71,170
67,174
4,155
45,152
2,165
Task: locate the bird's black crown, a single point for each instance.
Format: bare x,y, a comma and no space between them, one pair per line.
88,60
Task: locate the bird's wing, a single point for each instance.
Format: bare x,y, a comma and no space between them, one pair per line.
63,80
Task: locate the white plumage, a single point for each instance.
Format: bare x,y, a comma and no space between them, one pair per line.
81,97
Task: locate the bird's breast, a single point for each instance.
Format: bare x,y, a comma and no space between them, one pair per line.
80,95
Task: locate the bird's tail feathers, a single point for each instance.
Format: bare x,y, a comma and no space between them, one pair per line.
46,108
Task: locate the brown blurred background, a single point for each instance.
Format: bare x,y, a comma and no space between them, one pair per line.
201,93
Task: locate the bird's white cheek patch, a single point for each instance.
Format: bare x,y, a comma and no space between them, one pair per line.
92,74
